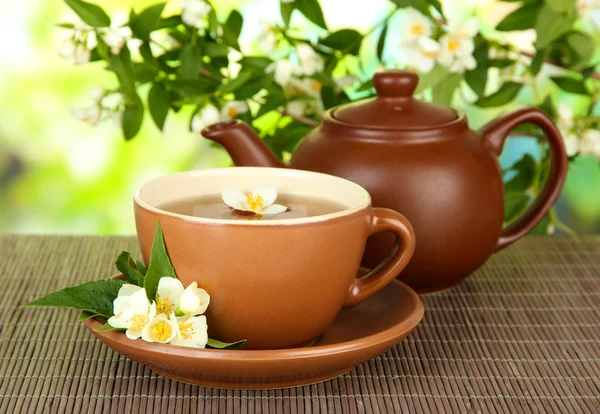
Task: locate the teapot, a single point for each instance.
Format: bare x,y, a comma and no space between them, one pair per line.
422,160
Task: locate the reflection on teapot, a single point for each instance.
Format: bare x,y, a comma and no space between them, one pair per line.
422,160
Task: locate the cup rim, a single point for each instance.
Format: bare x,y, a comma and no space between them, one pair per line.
365,203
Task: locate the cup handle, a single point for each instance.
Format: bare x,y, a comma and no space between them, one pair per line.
384,219
495,134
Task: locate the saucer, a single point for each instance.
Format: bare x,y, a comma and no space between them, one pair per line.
355,336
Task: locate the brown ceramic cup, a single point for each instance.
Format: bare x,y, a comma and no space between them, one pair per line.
277,283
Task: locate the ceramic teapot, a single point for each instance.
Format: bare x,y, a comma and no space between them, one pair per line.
422,160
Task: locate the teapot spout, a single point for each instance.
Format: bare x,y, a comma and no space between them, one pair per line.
243,145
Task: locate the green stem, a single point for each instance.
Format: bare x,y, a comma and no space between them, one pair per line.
194,37
558,223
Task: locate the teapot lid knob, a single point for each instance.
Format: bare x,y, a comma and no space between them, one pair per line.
395,83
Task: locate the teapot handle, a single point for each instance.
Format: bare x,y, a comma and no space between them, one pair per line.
495,134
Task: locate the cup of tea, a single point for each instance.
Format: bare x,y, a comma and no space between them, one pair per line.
277,280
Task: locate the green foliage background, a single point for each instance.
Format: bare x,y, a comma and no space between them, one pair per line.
59,175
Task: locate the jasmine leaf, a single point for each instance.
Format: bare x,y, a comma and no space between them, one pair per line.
520,19
85,315
311,9
381,42
525,169
89,13
345,40
133,115
128,267
502,96
232,29
160,264
145,22
213,343
515,202
159,103
571,85
107,327
286,10
141,267
93,297
236,83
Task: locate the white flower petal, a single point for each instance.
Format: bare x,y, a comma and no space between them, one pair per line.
268,193
131,334
170,287
572,144
194,300
235,199
273,209
207,116
128,289
138,302
160,329
192,332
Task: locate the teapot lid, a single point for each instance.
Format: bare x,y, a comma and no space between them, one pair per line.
394,107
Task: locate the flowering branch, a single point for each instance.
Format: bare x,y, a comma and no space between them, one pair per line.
193,59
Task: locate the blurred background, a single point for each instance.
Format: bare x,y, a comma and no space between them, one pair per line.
60,175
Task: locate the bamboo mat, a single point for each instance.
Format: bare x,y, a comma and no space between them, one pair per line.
521,335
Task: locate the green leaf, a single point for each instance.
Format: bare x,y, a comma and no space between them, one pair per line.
272,102
381,42
159,103
311,9
147,21
190,61
236,83
141,267
144,72
432,78
168,22
571,85
194,87
561,5
538,60
252,87
550,25
437,5
123,68
160,264
548,107
515,204
367,85
85,315
213,343
94,297
66,25
346,40
107,327
257,62
500,63
133,115
91,14
525,169
520,19
443,92
286,9
127,266
583,47
504,95
477,78
232,29
215,50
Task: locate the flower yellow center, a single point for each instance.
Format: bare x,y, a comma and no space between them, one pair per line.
316,85
186,329
137,322
254,201
232,112
161,331
453,45
428,53
163,306
417,29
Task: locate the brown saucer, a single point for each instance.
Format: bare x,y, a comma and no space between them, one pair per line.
355,336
